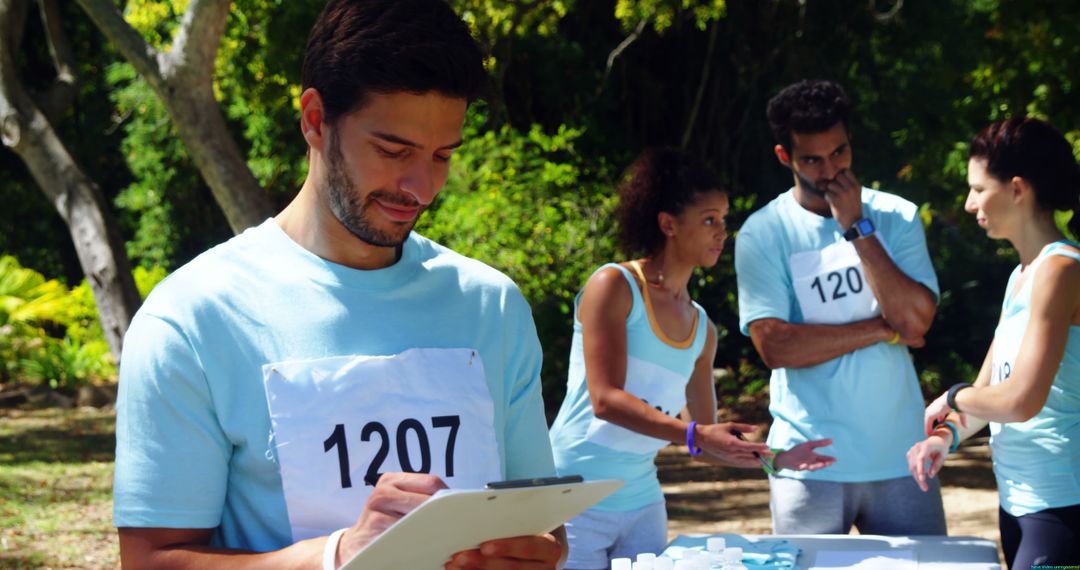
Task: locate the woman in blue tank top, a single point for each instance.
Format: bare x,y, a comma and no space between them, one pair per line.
643,351
1028,389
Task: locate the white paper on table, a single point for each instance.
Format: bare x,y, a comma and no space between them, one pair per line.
866,560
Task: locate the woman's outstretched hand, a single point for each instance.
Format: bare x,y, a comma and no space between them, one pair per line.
926,458
802,457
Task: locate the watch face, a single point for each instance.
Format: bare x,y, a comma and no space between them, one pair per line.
865,226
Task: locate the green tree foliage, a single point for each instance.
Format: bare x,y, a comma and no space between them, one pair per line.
49,334
493,21
924,79
258,81
663,13
581,88
167,204
529,204
32,312
257,78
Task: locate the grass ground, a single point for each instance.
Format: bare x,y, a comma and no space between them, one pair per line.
56,489
56,483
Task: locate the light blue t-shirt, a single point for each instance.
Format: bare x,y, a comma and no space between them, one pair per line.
796,266
657,372
251,376
1037,462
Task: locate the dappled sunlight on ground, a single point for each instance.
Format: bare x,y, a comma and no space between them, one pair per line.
708,499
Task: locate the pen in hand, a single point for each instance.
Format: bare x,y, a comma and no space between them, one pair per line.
768,467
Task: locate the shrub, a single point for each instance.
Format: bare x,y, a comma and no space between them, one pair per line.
50,335
530,205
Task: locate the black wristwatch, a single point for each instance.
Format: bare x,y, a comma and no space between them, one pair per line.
859,229
953,390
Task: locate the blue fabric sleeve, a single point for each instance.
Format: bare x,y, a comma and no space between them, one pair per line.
527,447
764,285
172,456
907,244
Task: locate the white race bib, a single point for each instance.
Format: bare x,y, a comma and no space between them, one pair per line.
1007,341
339,422
657,386
831,286
1009,333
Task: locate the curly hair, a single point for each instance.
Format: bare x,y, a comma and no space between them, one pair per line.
1037,152
659,180
360,47
809,106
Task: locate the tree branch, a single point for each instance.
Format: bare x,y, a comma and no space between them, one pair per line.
888,15
108,19
706,67
196,42
61,94
12,23
183,80
615,53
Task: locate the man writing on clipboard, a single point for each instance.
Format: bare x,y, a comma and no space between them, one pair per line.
835,283
291,393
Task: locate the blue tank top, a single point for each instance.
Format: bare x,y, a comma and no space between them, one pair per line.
1037,462
657,371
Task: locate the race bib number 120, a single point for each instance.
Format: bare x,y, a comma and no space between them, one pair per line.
341,422
831,287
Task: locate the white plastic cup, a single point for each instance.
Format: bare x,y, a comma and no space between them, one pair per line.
715,544
733,554
663,563
621,564
646,557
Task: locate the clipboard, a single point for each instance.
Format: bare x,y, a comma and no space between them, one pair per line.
455,520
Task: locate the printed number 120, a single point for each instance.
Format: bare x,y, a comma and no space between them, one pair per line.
853,280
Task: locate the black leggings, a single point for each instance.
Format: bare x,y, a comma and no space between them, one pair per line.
1050,537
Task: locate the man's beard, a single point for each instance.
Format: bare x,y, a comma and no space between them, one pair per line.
809,185
353,213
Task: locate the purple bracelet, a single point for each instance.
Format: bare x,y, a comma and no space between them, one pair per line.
690,439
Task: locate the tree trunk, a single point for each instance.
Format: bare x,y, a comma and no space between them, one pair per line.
183,80
202,127
25,129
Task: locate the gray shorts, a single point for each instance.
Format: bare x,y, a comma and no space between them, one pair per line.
888,507
598,536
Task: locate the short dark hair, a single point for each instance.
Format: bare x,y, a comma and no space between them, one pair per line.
360,47
660,180
1035,151
809,106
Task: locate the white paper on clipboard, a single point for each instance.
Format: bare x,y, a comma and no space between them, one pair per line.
452,521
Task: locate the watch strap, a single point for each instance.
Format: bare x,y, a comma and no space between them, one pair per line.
953,391
860,229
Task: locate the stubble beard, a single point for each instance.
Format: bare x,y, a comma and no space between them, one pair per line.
809,185
353,211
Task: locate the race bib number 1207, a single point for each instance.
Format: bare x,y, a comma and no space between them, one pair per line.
341,422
